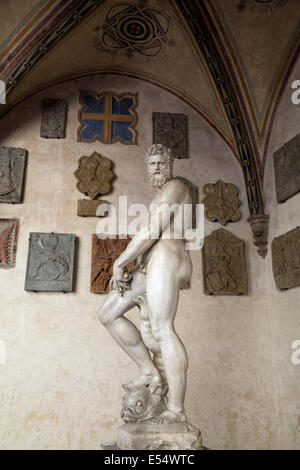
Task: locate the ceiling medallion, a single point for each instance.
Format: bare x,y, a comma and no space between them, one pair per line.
261,7
135,29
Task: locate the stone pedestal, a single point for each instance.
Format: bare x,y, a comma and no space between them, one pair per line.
176,436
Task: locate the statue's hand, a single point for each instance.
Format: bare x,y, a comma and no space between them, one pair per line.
120,284
118,273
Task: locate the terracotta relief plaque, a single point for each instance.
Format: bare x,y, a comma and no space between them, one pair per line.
171,130
224,264
8,242
12,169
286,259
94,175
221,202
194,195
104,254
54,118
50,265
287,169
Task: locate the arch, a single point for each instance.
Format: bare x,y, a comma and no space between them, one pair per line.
143,77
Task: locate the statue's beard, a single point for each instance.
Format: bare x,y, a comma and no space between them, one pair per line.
158,180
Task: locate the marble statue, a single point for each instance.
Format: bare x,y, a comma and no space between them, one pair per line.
162,268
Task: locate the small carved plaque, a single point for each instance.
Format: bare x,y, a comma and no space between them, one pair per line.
286,259
104,254
221,202
50,265
194,195
224,264
12,169
54,118
8,242
94,175
87,208
287,169
171,130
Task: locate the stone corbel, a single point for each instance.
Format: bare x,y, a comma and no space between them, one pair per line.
260,228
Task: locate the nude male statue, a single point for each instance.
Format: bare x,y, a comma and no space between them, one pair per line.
162,268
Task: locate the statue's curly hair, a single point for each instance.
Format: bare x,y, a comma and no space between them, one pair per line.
159,149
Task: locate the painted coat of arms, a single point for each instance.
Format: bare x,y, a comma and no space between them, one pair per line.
108,118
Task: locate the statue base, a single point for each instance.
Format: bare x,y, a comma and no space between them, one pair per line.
175,436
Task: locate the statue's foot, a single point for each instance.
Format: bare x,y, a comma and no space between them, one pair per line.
168,417
144,379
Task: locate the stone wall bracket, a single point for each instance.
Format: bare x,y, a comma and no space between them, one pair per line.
260,228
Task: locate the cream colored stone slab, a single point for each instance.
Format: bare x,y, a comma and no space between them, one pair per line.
176,436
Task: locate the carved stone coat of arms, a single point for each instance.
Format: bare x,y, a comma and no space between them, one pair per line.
287,169
50,265
171,130
94,175
12,169
286,259
224,264
221,202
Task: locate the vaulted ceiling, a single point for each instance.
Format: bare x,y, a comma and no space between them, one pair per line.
229,59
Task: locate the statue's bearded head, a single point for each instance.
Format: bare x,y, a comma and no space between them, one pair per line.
159,163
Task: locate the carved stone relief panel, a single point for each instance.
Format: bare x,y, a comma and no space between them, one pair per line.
8,242
94,175
171,130
221,202
12,169
287,169
104,254
50,265
54,118
286,259
224,264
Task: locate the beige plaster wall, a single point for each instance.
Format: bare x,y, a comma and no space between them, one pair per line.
284,307
61,385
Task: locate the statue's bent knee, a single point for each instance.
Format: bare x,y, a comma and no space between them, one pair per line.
162,333
103,315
